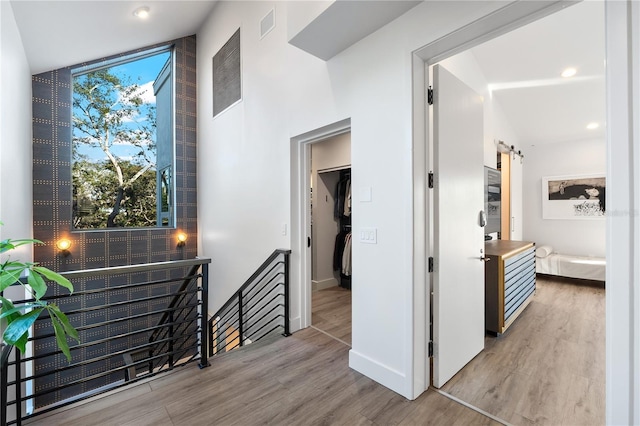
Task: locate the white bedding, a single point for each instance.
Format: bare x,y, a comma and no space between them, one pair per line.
588,268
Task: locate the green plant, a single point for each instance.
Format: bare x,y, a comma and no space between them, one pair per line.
20,317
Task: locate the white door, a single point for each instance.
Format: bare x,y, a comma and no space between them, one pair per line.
458,291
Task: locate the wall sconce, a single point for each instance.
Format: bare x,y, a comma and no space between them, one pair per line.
64,244
182,239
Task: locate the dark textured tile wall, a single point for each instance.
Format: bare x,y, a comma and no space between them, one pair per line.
52,212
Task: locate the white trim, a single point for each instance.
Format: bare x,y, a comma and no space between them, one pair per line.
323,284
420,308
508,18
300,212
294,324
394,380
623,224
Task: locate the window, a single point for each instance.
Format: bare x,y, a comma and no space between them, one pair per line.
123,142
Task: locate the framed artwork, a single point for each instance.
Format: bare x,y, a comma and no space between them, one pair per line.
573,197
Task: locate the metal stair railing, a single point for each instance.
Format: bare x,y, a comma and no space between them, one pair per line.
158,309
256,310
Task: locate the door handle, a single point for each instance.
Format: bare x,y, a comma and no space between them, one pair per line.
308,241
483,258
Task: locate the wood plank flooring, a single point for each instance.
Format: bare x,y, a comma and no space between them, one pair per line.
300,380
331,312
549,366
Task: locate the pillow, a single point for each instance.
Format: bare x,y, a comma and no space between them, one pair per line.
543,251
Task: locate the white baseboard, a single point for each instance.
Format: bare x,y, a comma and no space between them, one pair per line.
295,324
322,284
388,377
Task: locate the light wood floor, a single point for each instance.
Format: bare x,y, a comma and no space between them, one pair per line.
331,312
300,380
549,366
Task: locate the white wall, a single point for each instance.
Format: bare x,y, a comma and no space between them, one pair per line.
244,189
15,134
623,202
577,237
15,144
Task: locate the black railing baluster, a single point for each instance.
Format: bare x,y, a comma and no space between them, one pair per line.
286,295
18,387
254,306
204,311
4,373
165,328
240,318
171,339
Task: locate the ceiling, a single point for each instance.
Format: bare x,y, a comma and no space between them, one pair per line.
57,34
523,67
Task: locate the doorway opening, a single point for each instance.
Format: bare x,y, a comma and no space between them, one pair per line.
315,239
565,345
330,207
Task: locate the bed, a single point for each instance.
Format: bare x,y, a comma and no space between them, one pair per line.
583,267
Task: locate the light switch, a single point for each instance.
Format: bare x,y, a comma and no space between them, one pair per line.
369,235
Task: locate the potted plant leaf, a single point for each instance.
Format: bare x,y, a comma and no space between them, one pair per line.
17,319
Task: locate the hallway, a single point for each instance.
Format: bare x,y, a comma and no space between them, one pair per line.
300,380
547,369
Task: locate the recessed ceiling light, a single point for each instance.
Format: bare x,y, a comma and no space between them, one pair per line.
569,72
593,126
141,12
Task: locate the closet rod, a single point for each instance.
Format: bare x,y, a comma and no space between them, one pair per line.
335,169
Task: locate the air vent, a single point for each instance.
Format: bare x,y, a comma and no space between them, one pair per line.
267,23
227,75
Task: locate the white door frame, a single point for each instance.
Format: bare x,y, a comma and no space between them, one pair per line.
622,28
301,213
508,18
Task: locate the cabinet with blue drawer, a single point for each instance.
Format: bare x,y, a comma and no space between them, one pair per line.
510,281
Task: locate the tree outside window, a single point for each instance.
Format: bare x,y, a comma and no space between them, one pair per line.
122,130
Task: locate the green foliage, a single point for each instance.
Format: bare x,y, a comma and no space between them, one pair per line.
92,207
109,111
16,318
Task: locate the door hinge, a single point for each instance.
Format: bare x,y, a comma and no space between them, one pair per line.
431,264
430,96
430,180
430,348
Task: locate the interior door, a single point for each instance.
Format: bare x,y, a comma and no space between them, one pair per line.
458,291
